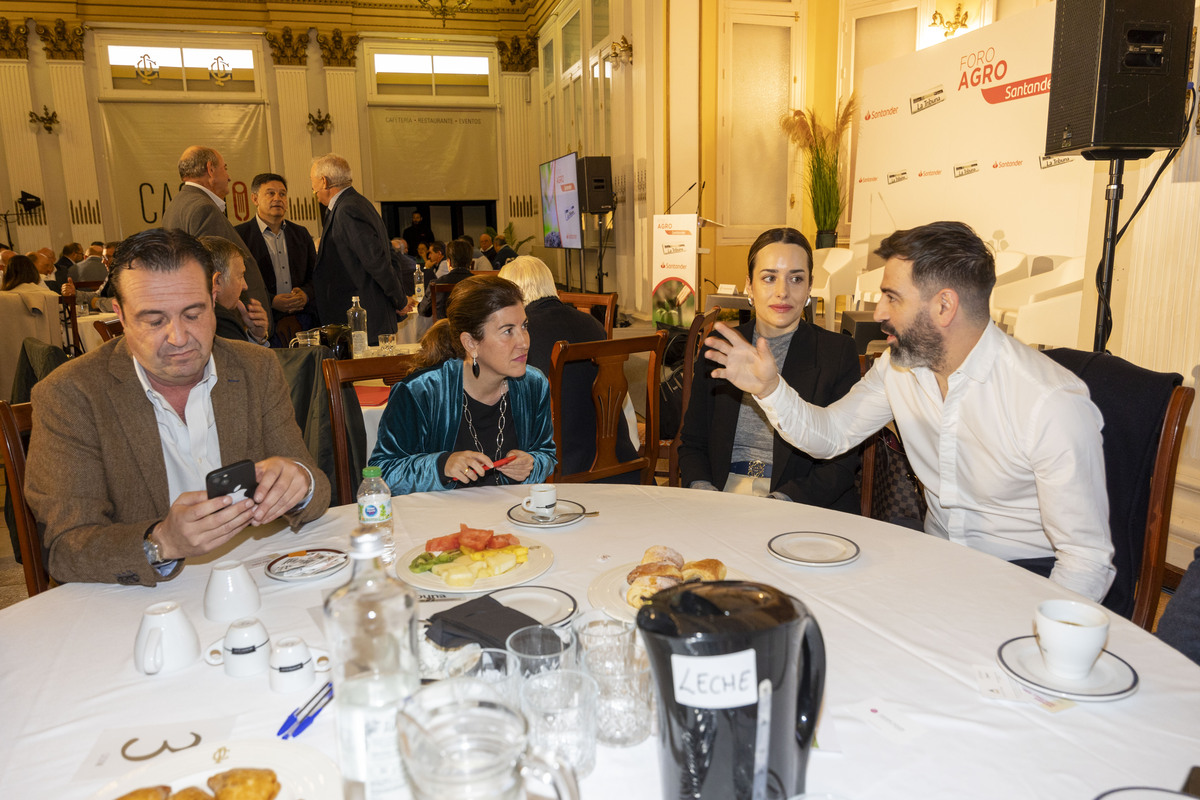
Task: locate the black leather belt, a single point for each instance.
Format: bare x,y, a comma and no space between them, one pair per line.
755,469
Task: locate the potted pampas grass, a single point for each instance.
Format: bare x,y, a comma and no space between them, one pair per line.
821,146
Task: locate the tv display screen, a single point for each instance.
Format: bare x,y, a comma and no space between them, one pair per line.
560,204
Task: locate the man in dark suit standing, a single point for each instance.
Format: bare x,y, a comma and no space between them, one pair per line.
287,257
355,258
199,209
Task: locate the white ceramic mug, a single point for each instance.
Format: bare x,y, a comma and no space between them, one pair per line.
1070,635
542,499
166,640
244,650
231,593
293,665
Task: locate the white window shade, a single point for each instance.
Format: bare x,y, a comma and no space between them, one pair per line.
760,78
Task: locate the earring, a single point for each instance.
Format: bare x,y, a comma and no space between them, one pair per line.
750,300
475,365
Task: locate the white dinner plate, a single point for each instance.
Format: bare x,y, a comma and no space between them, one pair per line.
1140,793
303,773
607,592
813,549
1110,679
308,565
549,606
566,512
540,559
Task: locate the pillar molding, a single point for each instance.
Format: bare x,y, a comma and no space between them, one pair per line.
29,231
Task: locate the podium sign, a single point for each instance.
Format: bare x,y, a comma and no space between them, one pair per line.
674,270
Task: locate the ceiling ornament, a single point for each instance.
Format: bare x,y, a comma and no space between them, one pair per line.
337,51
62,43
516,56
287,50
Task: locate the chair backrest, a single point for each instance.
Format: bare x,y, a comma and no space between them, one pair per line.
108,328
609,391
1144,416
70,318
702,325
584,301
438,302
89,286
339,377
15,421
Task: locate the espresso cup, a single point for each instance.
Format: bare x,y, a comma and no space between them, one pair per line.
244,650
166,640
293,665
542,499
1070,635
231,592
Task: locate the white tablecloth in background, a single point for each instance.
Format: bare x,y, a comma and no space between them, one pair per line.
88,335
904,627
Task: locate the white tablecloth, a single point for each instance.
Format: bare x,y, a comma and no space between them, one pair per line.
904,627
88,334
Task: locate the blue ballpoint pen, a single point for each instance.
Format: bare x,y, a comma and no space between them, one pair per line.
301,718
304,723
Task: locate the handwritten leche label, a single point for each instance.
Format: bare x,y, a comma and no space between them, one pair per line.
727,681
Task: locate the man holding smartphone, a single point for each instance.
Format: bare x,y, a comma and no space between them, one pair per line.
124,436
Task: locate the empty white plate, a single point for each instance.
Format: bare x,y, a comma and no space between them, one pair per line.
813,549
547,605
1110,679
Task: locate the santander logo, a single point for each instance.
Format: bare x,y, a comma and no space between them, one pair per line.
882,112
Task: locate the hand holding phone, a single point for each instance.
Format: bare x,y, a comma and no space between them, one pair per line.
238,480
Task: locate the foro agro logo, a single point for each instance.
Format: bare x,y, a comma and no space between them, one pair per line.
981,67
881,112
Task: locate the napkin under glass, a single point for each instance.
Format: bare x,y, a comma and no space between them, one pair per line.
484,620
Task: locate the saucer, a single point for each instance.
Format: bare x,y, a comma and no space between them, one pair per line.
1110,679
566,512
549,606
307,565
813,549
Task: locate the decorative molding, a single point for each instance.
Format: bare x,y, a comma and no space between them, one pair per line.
288,50
62,43
337,51
518,57
14,42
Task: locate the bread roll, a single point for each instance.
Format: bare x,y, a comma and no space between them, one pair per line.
148,793
643,589
660,568
191,793
662,553
709,569
245,784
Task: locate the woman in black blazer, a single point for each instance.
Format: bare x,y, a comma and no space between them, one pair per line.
726,443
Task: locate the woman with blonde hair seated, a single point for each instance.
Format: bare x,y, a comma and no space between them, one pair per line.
471,401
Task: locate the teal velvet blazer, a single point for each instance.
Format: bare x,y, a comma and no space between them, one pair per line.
423,415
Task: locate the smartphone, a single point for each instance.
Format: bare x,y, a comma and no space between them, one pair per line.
237,479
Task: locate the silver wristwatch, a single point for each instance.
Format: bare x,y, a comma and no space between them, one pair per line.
152,551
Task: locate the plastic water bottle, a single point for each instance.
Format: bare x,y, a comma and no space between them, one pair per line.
357,317
375,511
373,638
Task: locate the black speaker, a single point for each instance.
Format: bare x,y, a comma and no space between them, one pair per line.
595,184
1118,77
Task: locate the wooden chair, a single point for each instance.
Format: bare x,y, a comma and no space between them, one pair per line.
440,289
584,301
89,286
702,325
608,394
108,328
70,318
15,422
342,374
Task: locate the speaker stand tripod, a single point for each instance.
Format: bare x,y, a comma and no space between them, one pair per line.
1112,196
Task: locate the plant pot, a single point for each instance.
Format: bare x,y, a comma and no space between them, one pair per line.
826,239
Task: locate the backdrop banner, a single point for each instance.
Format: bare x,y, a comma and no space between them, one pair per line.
433,154
673,271
146,140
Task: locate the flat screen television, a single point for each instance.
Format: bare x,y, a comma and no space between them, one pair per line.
560,204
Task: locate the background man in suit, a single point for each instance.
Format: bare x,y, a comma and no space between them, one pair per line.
286,256
91,268
123,436
355,258
235,319
417,233
504,253
487,248
199,209
71,254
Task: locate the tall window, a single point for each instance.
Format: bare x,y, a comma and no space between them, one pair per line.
433,74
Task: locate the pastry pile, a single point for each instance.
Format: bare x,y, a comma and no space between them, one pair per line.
663,567
234,784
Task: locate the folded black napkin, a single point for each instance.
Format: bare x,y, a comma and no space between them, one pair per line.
484,620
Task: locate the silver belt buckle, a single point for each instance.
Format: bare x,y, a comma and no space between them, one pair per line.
757,469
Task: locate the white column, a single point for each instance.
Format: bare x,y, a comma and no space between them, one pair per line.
519,200
21,151
291,84
75,142
342,86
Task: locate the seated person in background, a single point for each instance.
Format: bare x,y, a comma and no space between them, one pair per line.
479,262
235,320
22,276
124,435
727,443
1006,442
1180,623
460,270
101,299
470,402
434,257
90,268
551,320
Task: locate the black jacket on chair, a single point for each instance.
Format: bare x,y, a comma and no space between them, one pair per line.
821,366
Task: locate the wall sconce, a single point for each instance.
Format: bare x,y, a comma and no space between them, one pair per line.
621,51
47,120
317,124
443,9
952,26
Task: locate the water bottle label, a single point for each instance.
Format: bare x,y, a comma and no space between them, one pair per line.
376,508
725,681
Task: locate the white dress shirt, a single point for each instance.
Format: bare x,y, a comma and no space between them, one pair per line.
211,196
277,247
1012,459
190,447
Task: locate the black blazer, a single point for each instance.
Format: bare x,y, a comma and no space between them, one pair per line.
302,258
452,277
355,258
821,366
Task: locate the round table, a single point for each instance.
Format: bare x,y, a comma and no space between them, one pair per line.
906,626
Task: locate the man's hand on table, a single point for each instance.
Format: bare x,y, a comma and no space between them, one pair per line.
282,485
196,525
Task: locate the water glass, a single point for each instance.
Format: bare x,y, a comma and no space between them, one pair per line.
625,707
490,665
560,708
538,649
596,630
387,344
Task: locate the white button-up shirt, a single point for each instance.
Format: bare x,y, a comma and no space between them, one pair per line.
190,447
220,202
277,247
1012,458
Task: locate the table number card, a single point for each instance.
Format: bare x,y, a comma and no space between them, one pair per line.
118,750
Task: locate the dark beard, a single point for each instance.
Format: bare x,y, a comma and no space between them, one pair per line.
919,346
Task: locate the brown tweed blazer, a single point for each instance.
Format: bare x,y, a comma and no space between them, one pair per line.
96,479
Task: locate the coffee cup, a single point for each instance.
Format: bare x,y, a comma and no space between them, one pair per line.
1071,636
542,499
244,650
293,664
166,640
231,592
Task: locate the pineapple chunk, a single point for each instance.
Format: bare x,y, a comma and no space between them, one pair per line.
501,562
440,570
479,569
459,576
463,560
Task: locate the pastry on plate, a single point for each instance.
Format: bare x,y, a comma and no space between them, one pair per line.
662,553
708,569
148,793
661,569
191,793
642,589
245,784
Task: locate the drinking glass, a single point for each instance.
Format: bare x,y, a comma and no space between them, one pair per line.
625,707
595,630
537,649
560,707
489,665
387,344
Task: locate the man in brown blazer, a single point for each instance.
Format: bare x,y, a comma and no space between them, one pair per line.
123,436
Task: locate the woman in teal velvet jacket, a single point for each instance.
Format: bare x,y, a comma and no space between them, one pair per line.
471,401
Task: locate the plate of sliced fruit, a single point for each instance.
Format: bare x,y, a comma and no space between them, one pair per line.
474,560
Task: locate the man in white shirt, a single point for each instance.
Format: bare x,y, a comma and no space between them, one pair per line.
1006,442
124,435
